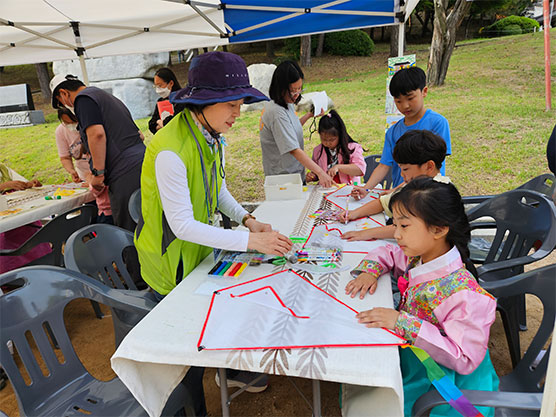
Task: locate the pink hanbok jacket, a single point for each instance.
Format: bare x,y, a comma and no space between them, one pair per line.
355,158
443,309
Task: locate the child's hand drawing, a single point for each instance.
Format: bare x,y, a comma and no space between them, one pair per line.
379,317
363,283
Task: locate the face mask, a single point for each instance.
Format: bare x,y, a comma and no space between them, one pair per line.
163,92
72,127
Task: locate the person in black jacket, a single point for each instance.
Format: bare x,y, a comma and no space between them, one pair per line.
165,82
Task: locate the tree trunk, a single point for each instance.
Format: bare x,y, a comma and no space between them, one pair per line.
467,24
394,36
270,49
44,81
426,24
306,51
444,38
320,46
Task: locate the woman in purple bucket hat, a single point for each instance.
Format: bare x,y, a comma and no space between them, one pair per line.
183,184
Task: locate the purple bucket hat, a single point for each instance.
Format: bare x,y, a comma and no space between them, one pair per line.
217,77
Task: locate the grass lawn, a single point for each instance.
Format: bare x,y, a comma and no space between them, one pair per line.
493,99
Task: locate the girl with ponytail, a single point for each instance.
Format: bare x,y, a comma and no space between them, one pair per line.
338,154
443,310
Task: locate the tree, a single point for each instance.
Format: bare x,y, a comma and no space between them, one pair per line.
320,46
44,80
306,51
446,22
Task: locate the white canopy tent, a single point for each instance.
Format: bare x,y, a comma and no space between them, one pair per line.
33,31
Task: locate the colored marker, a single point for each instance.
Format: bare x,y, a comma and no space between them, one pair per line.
230,270
220,268
226,267
237,266
240,270
215,267
50,197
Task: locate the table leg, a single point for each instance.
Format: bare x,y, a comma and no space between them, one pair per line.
316,398
224,392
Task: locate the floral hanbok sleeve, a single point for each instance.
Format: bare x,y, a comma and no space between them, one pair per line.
381,260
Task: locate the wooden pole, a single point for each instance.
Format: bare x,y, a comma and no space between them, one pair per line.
548,95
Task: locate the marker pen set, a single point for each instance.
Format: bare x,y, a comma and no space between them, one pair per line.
318,254
231,264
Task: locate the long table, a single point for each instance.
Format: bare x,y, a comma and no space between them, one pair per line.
157,353
29,205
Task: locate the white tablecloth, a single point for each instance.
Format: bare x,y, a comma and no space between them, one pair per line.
30,205
155,355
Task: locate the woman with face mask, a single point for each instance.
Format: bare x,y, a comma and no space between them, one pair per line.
68,141
165,82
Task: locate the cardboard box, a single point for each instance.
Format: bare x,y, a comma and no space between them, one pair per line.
283,187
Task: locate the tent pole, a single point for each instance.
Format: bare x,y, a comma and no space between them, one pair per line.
84,70
401,38
548,98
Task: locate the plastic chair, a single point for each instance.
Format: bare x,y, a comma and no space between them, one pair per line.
55,232
134,205
524,220
520,391
544,184
97,251
372,162
67,389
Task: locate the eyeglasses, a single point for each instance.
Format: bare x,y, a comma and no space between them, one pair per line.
296,92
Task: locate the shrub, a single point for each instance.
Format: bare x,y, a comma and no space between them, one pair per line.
350,42
507,26
512,30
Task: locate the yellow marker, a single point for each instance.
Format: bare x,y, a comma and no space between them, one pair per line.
240,270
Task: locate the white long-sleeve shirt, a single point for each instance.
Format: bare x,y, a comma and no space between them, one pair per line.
171,178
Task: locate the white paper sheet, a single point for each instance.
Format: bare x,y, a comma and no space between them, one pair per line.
320,102
296,313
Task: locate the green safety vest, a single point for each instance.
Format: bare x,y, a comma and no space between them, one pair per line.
160,252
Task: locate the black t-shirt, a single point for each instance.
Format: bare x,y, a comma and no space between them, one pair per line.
89,113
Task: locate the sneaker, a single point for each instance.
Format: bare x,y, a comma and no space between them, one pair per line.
243,378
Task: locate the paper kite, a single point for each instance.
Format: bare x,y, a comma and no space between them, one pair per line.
294,312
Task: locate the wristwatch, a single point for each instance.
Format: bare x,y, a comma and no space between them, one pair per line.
98,172
247,217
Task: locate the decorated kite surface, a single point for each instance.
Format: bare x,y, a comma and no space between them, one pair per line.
330,234
295,314
342,199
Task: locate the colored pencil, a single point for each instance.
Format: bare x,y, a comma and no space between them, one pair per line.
240,270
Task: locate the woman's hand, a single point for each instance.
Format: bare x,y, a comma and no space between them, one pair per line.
325,180
379,317
159,124
311,176
363,283
13,185
34,183
358,192
271,243
257,227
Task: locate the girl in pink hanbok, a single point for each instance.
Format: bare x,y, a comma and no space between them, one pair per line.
443,310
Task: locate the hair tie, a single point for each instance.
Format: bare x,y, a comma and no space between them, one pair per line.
329,114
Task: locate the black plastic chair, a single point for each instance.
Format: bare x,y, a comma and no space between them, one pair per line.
66,388
97,251
55,232
524,221
544,184
520,391
134,205
372,162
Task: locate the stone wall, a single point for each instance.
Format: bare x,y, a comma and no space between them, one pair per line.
127,77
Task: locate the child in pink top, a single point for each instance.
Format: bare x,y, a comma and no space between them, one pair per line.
443,310
338,154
